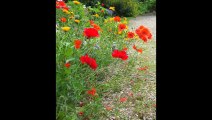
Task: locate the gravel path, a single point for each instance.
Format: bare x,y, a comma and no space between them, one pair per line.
149,91
140,105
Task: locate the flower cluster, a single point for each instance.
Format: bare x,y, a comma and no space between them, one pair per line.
130,35
117,19
143,33
122,27
61,4
90,33
88,60
120,54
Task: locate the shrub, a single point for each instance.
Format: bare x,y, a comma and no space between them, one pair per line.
127,8
89,2
146,6
152,5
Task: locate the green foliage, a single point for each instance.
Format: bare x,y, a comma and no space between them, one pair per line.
127,8
73,83
89,2
146,6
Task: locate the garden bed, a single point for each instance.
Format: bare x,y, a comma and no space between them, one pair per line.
103,67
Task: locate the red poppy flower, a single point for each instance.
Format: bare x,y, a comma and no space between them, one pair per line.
90,32
123,99
92,91
80,113
120,54
143,68
84,59
77,43
130,34
138,50
138,31
63,19
103,4
122,27
90,61
67,65
60,4
143,33
117,19
116,53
